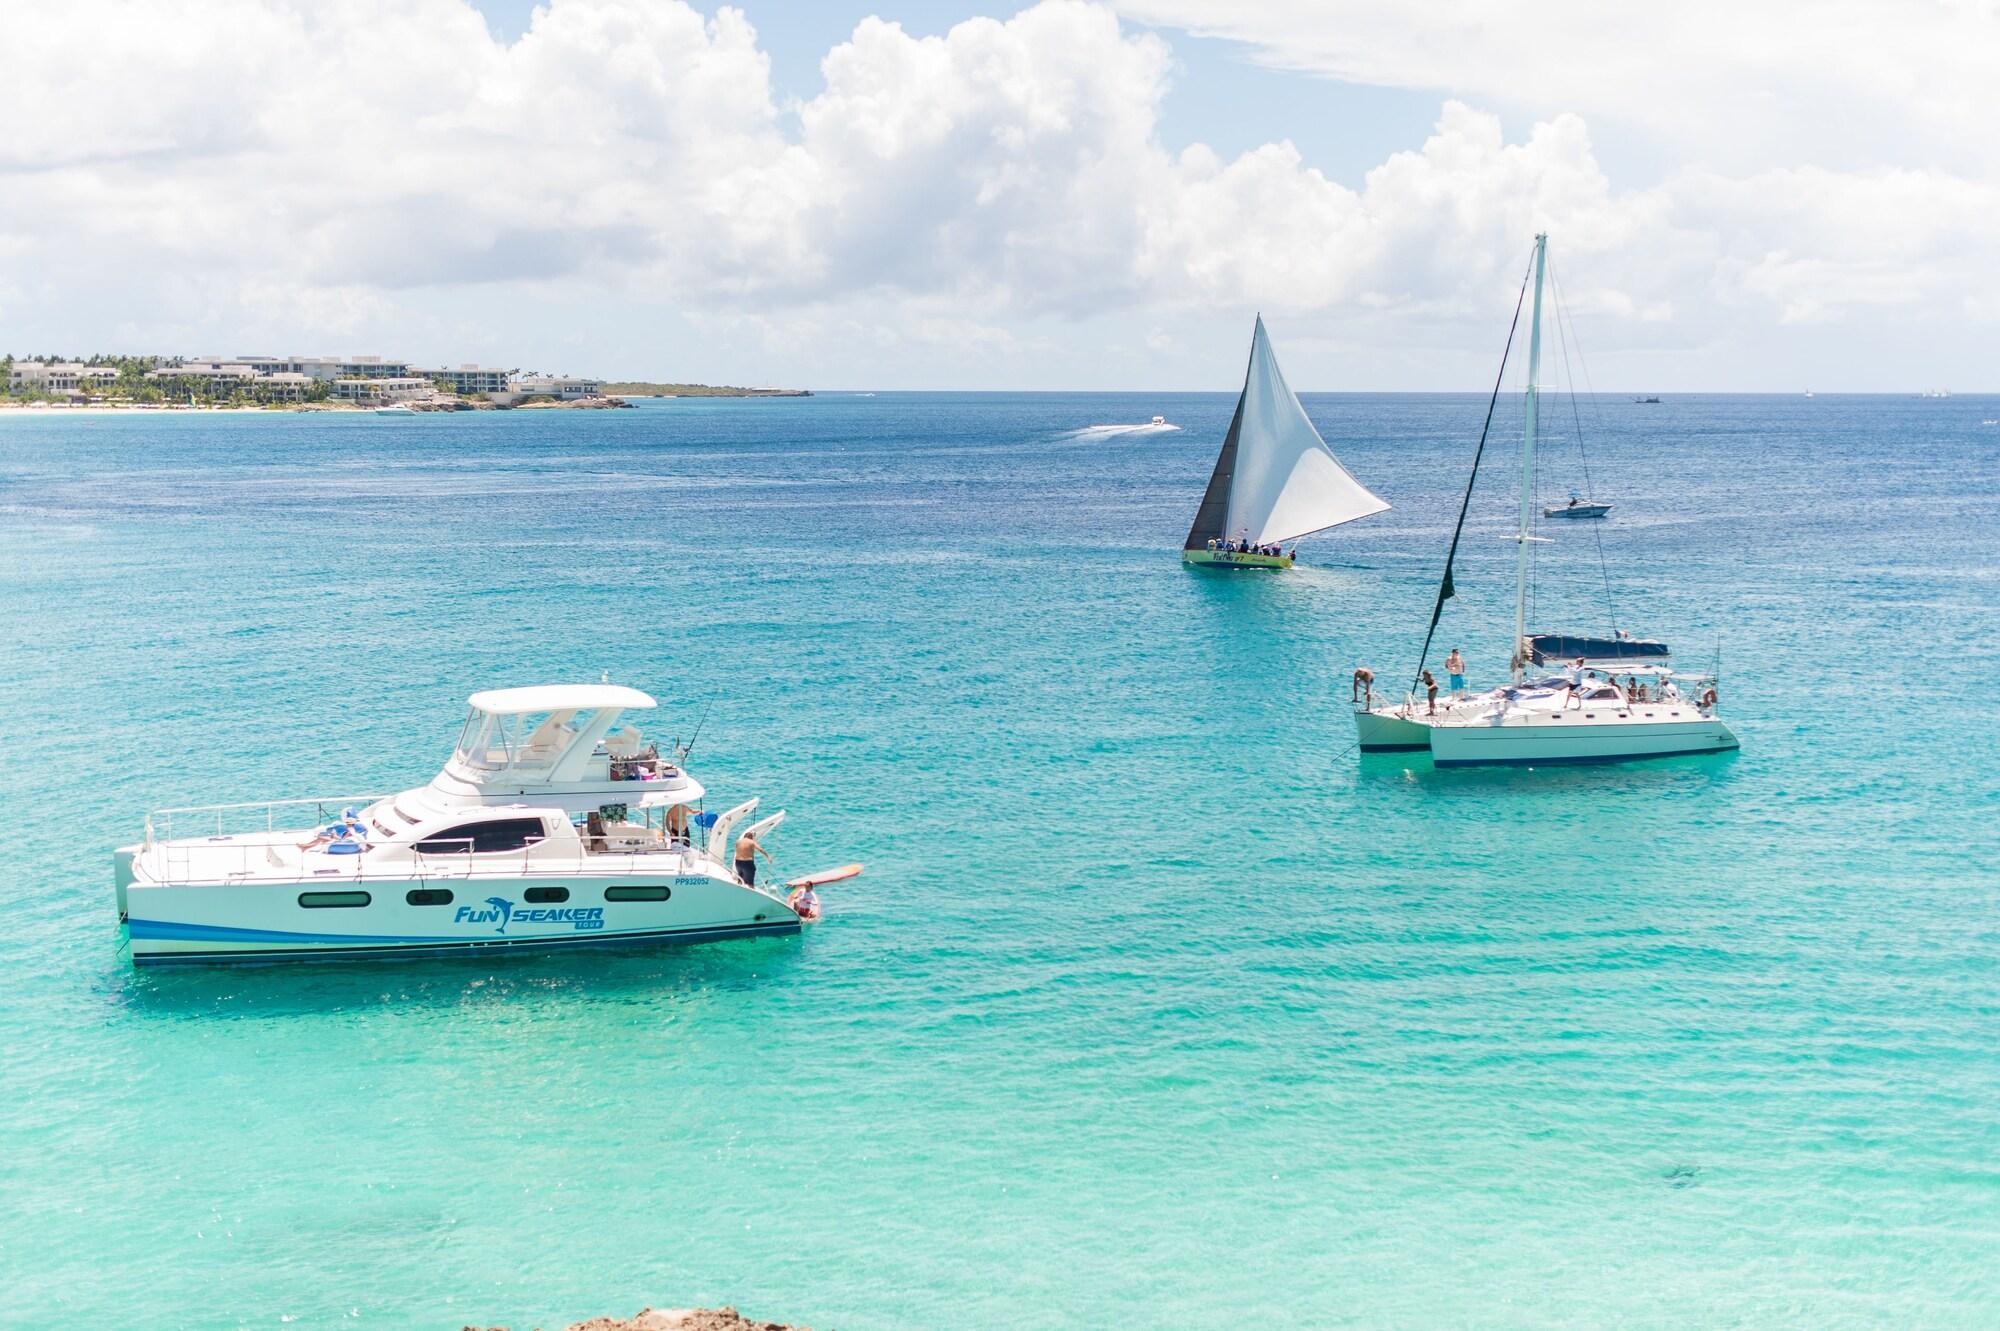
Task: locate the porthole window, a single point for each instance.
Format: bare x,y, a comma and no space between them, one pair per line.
428,896
543,895
636,893
333,900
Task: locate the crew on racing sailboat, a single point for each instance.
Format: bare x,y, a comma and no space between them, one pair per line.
1275,479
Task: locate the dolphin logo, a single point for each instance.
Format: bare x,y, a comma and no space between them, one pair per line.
506,909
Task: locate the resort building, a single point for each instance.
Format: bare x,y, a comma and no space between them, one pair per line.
34,376
219,378
370,380
470,379
403,388
329,368
545,385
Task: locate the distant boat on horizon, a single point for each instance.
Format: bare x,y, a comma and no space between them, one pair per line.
1647,401
1275,479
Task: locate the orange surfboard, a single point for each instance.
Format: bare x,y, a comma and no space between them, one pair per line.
826,876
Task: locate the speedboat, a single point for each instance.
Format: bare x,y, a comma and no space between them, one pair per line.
1577,507
551,826
396,409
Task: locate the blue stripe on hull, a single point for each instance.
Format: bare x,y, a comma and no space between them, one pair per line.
1579,761
1394,748
378,948
224,933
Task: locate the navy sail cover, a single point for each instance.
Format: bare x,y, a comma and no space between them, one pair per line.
1544,648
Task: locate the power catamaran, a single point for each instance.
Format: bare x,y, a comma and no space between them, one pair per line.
1581,714
1275,480
551,826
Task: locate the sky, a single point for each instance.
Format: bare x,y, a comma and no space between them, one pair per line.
946,194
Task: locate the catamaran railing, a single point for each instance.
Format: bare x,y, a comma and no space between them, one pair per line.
269,808
248,859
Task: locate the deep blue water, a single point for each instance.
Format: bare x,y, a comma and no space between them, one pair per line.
1155,1003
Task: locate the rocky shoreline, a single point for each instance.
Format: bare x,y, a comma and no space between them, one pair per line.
674,1319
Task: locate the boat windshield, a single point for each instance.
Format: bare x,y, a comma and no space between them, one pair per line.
519,739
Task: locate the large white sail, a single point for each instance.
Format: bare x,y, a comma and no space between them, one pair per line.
1286,481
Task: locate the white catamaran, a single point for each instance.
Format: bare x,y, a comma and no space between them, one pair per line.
1575,710
551,826
1275,479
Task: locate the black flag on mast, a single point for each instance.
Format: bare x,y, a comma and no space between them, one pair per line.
1446,588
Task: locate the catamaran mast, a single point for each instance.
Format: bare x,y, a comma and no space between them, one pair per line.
1528,470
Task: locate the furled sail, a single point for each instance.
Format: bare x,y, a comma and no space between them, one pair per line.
1275,479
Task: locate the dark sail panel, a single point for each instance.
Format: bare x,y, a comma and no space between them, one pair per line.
1211,520
1546,647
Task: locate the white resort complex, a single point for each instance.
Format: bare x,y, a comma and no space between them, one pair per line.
367,380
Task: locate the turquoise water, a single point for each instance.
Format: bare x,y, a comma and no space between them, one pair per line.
1155,1003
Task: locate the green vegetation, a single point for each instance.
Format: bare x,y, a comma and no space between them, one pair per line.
134,384
642,389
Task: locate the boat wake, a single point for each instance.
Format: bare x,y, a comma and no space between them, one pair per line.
1154,426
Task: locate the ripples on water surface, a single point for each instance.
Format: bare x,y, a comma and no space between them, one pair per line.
1154,1003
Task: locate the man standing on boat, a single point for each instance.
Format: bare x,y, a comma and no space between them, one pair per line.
747,851
1454,666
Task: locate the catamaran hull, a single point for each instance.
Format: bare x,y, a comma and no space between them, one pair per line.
1378,733
1232,560
1541,742
269,922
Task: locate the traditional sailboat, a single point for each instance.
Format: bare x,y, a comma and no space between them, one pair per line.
1574,710
1275,480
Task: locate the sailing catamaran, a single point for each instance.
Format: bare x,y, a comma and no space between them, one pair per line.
1275,479
1579,715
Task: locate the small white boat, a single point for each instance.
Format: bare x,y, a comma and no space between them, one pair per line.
1577,507
550,827
1158,424
396,409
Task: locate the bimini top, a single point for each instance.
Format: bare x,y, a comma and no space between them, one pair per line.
556,698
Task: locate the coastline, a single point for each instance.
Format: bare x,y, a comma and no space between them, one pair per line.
40,409
107,409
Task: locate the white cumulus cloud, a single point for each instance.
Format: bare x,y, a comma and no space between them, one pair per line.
284,172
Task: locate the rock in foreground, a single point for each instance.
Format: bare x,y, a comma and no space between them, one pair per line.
677,1319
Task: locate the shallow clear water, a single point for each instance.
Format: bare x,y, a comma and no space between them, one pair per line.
1155,1001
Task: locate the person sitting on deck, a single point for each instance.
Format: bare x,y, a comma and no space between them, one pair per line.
806,902
593,832
349,828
